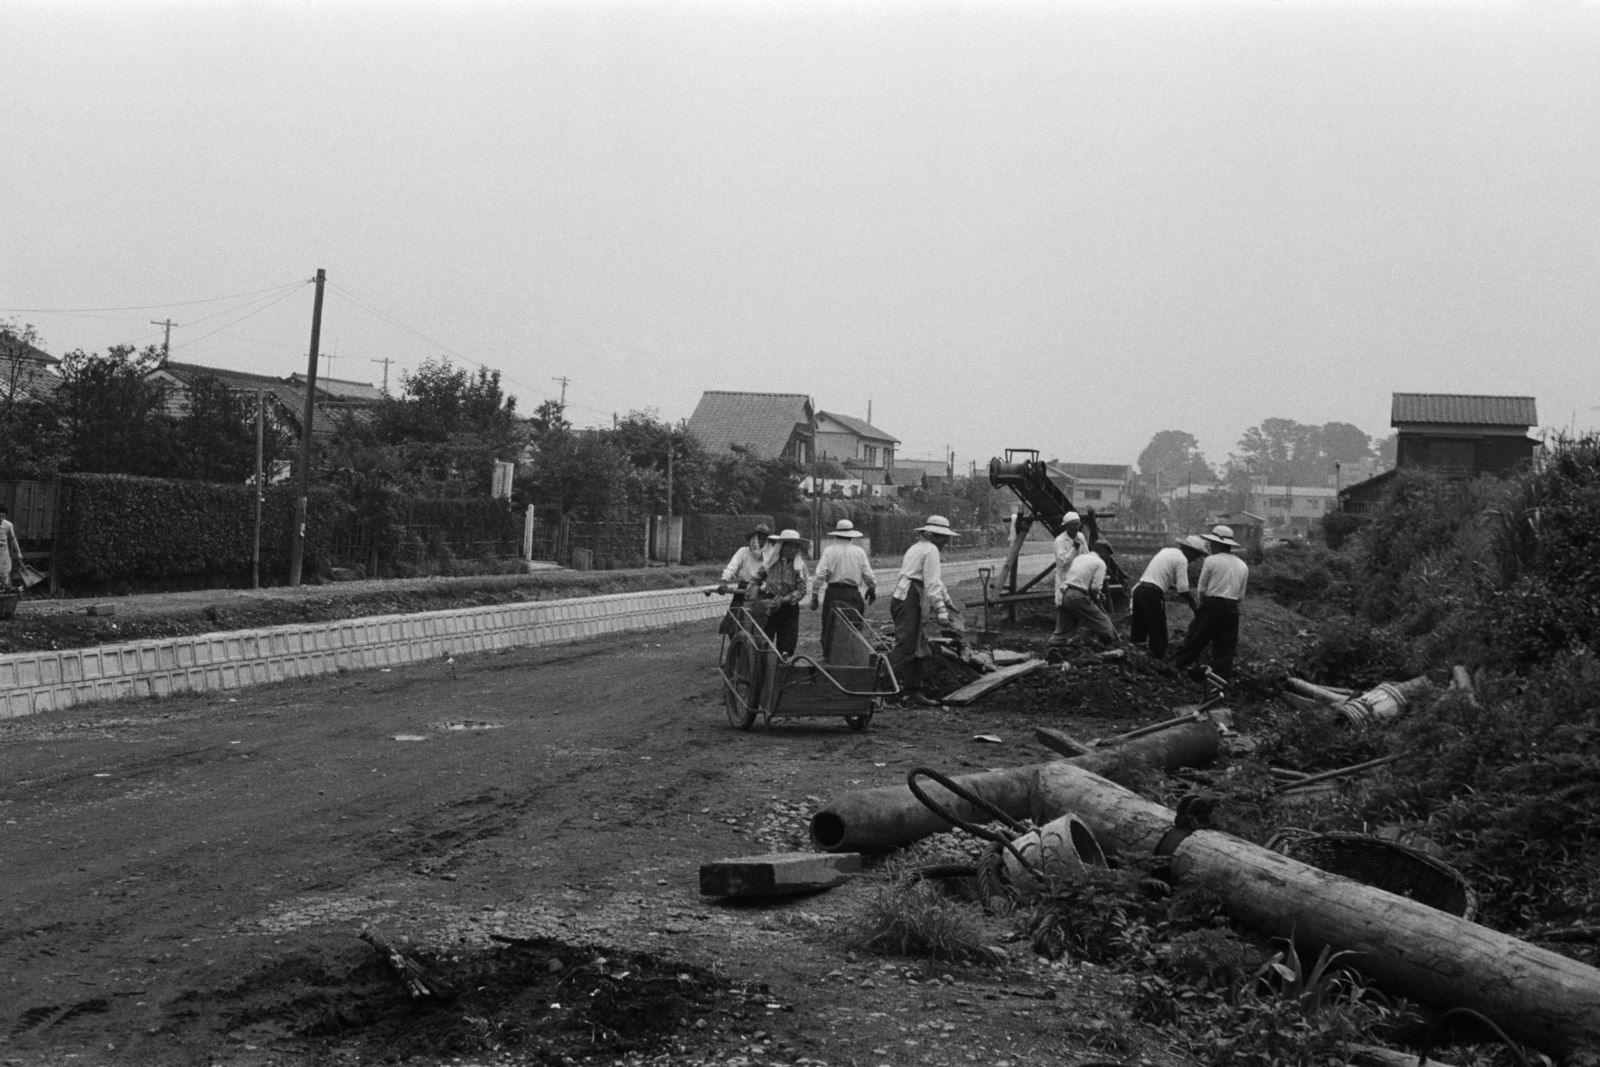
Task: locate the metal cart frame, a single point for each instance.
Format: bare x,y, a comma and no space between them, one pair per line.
759,680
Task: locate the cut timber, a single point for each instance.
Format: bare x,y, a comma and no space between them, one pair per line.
1057,741
873,820
778,874
989,683
1005,657
1544,998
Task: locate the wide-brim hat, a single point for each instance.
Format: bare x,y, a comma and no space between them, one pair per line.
845,528
789,537
937,524
1192,542
1222,535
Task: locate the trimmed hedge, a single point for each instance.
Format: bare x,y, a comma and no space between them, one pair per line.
715,538
118,529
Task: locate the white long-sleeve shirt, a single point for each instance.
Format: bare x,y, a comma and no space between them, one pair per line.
1087,572
922,563
844,561
1223,575
1068,547
744,566
1168,571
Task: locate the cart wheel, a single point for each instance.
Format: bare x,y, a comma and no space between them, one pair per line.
858,722
741,670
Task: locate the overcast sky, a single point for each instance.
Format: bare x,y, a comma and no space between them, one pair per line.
1062,226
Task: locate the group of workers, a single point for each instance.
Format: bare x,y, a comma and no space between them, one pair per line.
769,574
1080,594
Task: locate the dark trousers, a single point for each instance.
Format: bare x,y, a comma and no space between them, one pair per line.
1150,618
783,626
1215,624
838,595
909,648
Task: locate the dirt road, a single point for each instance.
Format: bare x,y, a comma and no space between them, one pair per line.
185,879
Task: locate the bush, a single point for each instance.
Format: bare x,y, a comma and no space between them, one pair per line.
1339,526
1304,575
715,538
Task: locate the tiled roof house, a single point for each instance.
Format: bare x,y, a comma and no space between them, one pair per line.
1453,433
1098,485
856,443
287,395
768,425
26,373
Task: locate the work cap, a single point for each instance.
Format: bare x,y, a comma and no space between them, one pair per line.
1071,516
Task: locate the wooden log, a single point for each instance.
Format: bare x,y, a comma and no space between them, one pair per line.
1546,999
777,874
1318,693
874,820
987,684
1057,741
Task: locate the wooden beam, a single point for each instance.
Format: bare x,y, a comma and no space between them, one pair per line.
988,683
777,874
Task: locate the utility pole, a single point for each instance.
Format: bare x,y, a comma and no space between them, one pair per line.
261,487
385,361
297,547
666,555
564,380
166,341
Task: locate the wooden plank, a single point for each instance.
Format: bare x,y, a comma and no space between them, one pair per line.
990,682
777,874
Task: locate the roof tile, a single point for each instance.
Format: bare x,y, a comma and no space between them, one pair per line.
761,422
1463,410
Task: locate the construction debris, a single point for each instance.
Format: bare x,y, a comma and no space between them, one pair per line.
989,683
419,982
1547,999
778,874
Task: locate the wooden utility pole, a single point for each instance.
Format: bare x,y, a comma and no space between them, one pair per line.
166,342
261,486
564,380
385,361
297,547
666,553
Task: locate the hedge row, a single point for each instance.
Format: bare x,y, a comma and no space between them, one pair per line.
116,529
715,538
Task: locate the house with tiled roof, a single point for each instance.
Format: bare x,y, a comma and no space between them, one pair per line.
861,447
286,396
1102,486
26,373
1456,434
766,425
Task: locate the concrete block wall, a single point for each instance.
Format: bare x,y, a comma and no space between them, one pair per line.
42,681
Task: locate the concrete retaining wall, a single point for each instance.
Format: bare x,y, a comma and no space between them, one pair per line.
40,681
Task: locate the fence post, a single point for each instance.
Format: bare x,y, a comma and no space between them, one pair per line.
527,532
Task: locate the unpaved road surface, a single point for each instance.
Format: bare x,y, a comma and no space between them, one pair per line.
184,880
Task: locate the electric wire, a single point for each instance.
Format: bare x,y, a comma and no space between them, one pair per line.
151,307
250,314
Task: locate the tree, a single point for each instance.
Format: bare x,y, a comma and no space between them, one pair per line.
450,426
1173,458
31,440
1285,452
114,414
215,441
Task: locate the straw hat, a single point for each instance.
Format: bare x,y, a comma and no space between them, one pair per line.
789,536
1222,535
845,528
1191,542
937,524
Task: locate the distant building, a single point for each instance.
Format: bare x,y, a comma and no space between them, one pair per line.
1453,434
925,473
1102,486
1291,507
857,444
285,396
767,425
26,373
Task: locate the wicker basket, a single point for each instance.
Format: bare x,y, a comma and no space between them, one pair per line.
1382,864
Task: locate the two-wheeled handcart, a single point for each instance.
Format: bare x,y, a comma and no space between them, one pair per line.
759,680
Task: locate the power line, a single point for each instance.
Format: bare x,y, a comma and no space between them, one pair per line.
241,318
149,307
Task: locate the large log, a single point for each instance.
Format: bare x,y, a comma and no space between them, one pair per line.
1543,998
873,820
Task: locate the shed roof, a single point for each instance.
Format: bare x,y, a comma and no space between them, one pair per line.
761,422
1458,409
859,427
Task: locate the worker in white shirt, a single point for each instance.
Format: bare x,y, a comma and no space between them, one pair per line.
743,569
1220,590
843,578
783,584
918,583
1070,544
1080,600
1167,574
